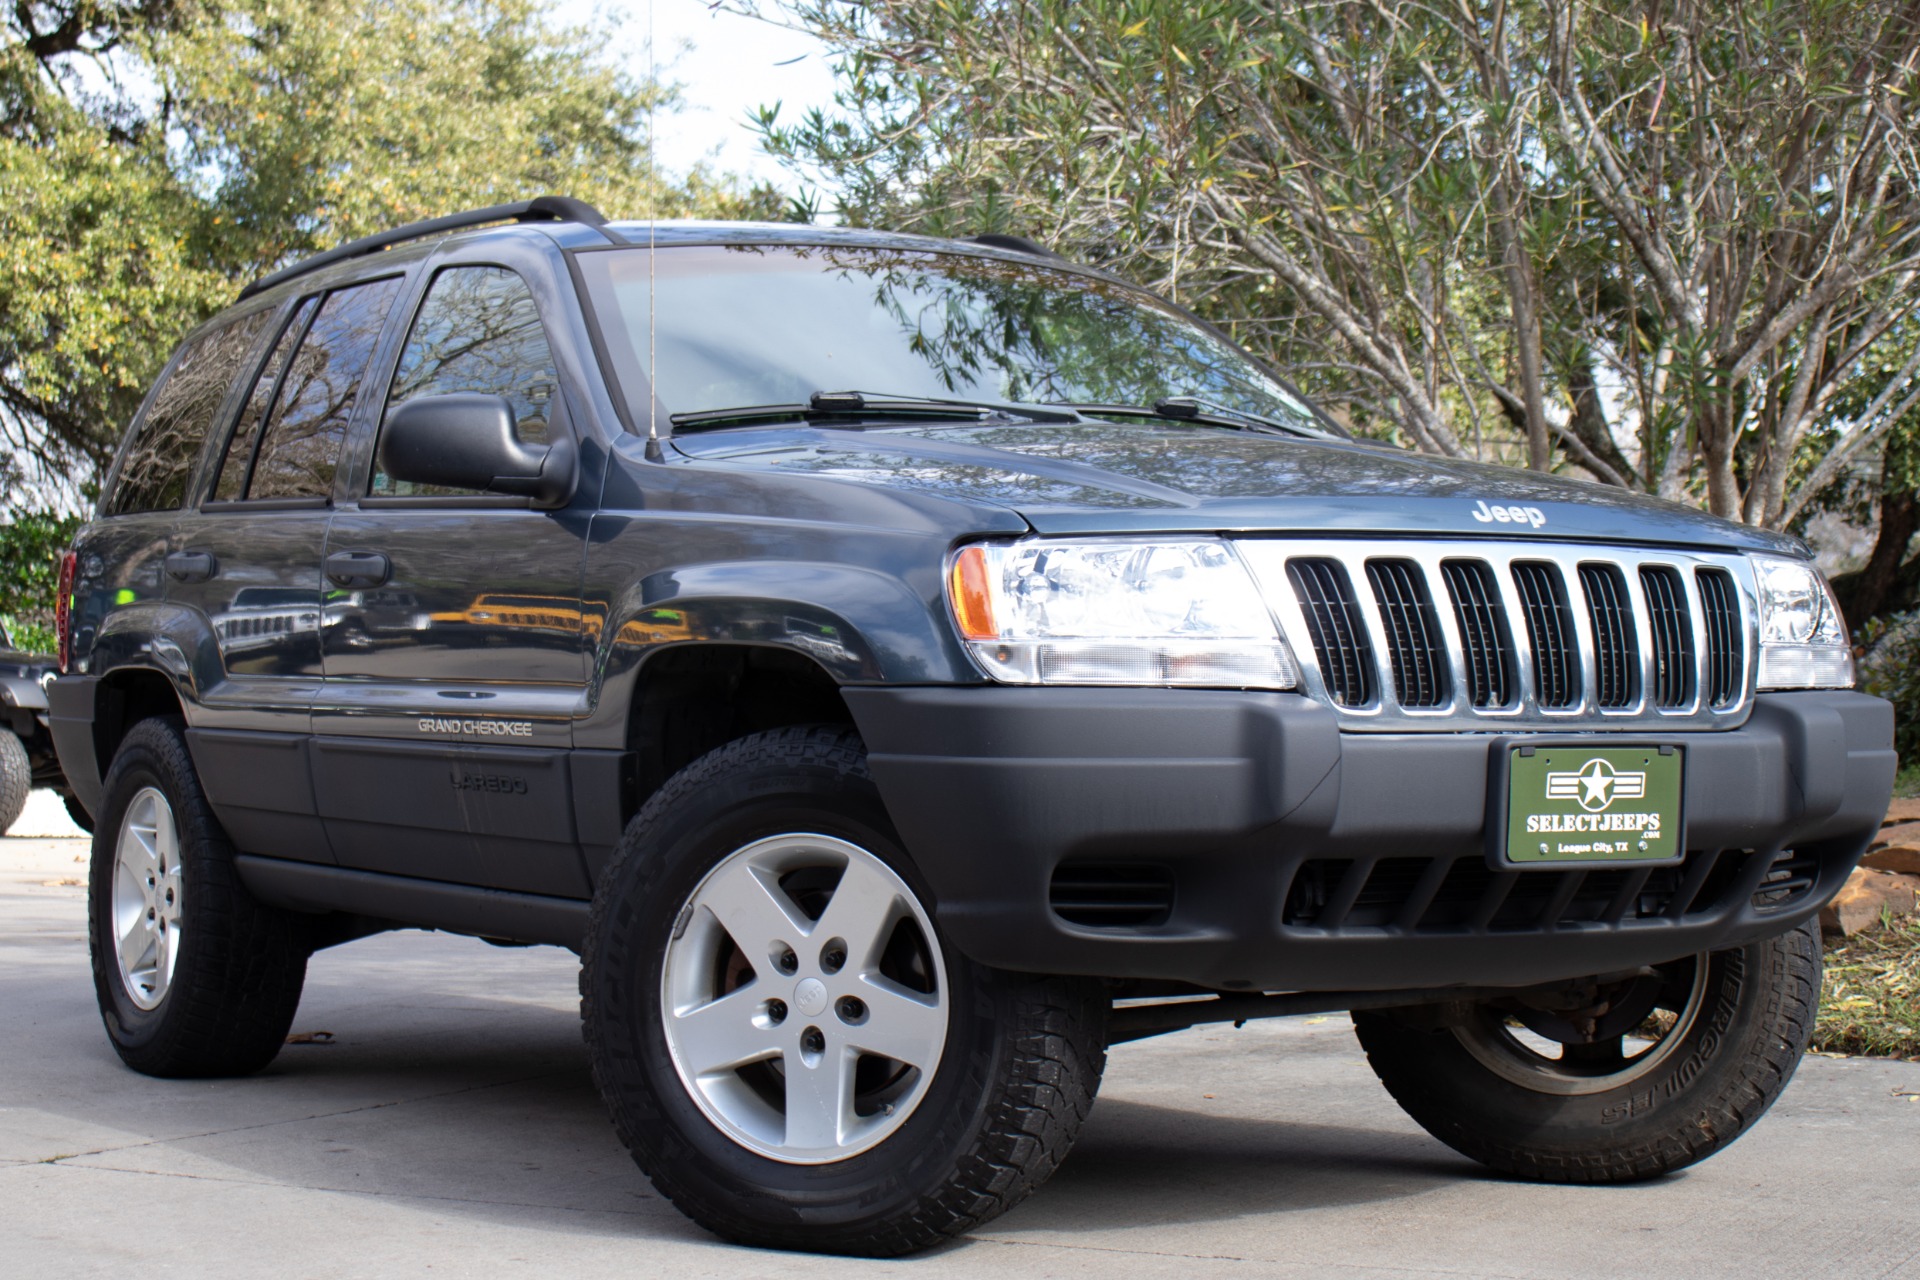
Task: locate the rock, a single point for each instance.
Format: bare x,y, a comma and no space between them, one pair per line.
1904,811
1904,858
1907,833
1867,894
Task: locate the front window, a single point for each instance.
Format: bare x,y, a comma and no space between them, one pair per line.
749,325
478,332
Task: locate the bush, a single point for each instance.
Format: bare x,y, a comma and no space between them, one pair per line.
30,549
1890,668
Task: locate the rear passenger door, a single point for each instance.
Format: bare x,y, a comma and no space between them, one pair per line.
140,513
453,634
250,562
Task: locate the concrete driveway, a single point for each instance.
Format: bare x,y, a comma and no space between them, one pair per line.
450,1128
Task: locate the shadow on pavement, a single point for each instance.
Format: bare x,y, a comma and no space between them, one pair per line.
1139,1164
501,1120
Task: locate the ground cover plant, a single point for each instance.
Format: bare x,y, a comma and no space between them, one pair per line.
1870,1003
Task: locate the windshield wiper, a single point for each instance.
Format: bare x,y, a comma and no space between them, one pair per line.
1206,412
832,407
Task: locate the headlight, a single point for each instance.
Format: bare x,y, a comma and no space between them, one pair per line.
1803,639
1098,611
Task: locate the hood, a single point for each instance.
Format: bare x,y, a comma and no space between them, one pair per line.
25,666
1104,477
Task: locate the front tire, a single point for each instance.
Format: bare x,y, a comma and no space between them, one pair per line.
16,780
194,977
788,1049
1655,1074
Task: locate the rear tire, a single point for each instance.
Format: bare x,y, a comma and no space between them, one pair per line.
1611,1105
16,780
760,927
194,977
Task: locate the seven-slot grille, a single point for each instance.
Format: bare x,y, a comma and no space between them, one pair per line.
1410,634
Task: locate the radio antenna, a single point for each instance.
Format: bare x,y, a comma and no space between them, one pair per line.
653,216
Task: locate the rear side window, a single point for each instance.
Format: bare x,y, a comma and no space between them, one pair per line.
232,484
305,397
478,331
160,461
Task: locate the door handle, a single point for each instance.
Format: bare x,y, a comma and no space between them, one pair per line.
191,566
358,569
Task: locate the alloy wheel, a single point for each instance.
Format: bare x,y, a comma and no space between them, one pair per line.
803,998
147,898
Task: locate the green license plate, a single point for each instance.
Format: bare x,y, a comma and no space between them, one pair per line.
1593,805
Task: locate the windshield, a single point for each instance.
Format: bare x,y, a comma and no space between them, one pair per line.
747,325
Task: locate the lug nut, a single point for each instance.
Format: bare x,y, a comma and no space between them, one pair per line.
850,1009
785,961
776,1012
834,957
812,1041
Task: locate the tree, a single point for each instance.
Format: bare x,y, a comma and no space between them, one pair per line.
1879,492
155,154
30,547
1653,240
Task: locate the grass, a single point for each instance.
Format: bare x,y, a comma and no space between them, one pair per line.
1870,1003
1906,783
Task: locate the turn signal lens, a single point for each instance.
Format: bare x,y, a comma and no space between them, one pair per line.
972,600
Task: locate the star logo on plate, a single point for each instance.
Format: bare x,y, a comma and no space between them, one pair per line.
1596,785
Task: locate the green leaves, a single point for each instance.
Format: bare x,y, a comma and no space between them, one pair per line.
216,141
157,154
30,550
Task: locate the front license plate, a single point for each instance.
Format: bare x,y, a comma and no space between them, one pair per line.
1593,805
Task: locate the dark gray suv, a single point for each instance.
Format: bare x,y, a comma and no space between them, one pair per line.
905,668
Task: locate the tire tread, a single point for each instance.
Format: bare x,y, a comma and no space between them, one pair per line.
1776,1040
237,982
1057,1046
16,779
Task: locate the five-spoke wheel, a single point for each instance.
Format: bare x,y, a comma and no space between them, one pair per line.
786,1045
801,998
194,976
147,898
1607,1081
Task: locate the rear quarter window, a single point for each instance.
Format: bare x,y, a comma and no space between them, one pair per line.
159,460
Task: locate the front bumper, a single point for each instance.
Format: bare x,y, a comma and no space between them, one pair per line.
1241,841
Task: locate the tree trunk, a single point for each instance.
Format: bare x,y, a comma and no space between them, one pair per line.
1867,594
1526,341
1589,422
1716,452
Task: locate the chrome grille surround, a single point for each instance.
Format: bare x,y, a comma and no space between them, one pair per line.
1522,711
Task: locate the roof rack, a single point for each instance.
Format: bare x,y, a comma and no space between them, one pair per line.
539,209
1017,244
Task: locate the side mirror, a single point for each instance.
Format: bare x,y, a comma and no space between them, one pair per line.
469,441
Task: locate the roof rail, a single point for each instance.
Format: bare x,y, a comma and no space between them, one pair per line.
1017,244
539,209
